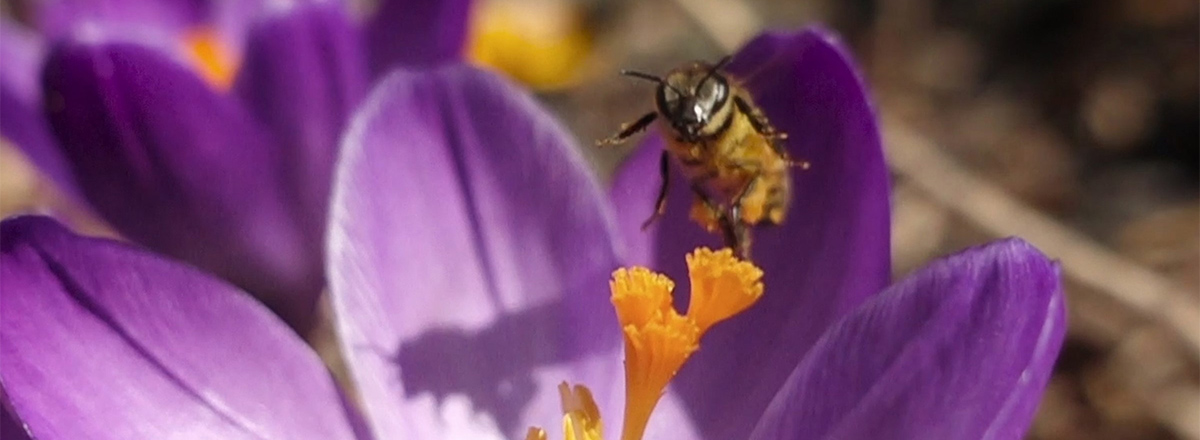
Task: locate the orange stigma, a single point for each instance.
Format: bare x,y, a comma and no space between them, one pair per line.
658,340
722,286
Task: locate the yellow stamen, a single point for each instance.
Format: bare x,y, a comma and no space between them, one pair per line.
722,286
581,416
210,57
535,434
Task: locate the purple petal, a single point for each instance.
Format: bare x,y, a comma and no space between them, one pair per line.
10,428
21,104
22,52
830,254
961,349
157,23
103,341
62,17
151,23
26,128
303,74
469,255
185,171
417,33
233,20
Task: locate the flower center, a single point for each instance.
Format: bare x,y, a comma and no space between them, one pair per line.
210,56
658,340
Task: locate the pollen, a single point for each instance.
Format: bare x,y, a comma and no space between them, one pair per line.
705,216
722,286
640,295
210,57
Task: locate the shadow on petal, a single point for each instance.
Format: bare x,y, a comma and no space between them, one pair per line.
447,361
469,254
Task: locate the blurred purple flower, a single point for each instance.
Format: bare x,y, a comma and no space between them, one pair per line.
469,254
108,101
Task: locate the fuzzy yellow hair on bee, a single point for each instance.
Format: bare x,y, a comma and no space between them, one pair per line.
729,152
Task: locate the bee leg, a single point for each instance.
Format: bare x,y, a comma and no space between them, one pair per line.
714,210
628,130
704,198
762,126
660,205
757,119
729,231
735,210
743,240
736,235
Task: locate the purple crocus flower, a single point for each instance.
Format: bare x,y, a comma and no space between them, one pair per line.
226,168
469,251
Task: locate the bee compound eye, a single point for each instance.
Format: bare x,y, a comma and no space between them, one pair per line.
715,92
667,100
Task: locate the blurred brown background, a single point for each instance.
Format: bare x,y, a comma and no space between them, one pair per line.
1071,123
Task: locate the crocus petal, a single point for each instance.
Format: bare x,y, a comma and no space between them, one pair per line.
303,74
830,254
23,124
185,171
26,128
104,341
161,24
416,33
62,17
961,349
10,428
233,20
22,52
158,24
468,258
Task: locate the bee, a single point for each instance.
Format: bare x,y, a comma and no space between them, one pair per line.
729,152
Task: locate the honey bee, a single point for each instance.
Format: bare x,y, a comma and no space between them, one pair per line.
729,152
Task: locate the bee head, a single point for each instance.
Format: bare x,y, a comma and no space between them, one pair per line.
691,98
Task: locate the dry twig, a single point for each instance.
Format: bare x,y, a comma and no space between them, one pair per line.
1151,295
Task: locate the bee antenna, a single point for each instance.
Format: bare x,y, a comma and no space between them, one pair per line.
645,76
649,77
713,70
